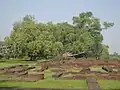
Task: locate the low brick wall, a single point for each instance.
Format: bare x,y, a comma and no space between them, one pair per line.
85,63
92,84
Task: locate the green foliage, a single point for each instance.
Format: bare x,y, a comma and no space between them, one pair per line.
108,25
114,56
67,84
33,39
87,22
105,52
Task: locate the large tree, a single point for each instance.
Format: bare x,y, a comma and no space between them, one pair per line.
39,40
88,22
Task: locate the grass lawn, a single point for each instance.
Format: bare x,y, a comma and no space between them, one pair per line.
77,84
109,84
12,62
80,84
5,64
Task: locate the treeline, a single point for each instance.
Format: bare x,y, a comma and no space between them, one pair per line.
30,38
114,56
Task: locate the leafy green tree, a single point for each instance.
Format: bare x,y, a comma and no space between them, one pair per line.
105,52
114,56
88,22
38,40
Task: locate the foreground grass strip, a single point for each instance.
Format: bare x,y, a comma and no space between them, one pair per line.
77,84
5,65
14,88
109,84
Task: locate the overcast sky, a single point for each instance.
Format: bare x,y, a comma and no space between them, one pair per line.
62,10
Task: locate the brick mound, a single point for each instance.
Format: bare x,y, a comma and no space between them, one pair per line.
5,77
91,80
113,62
101,76
43,66
108,69
79,77
52,63
2,71
57,75
19,73
86,70
118,69
87,63
12,69
34,77
62,62
79,64
55,66
109,76
65,67
66,78
71,72
57,70
26,78
62,66
82,62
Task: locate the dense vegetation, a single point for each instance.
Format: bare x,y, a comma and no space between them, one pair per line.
30,38
114,56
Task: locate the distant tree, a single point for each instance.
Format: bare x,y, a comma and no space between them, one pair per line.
114,56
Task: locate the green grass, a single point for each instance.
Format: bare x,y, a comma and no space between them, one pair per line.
6,64
97,69
80,84
109,84
68,75
74,69
12,62
48,74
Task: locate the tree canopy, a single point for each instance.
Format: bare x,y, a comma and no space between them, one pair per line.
39,40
